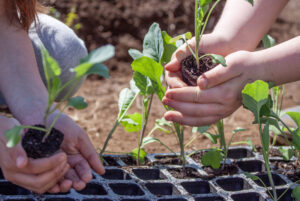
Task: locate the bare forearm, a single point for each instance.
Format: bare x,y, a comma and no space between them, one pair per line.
20,81
243,26
280,64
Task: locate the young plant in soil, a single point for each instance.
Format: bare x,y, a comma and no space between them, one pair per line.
256,98
44,140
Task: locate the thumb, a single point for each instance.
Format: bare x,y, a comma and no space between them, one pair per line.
19,156
216,76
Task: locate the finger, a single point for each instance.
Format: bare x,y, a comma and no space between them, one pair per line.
89,153
195,95
174,80
194,109
65,185
19,156
190,121
54,189
81,166
216,76
77,183
38,166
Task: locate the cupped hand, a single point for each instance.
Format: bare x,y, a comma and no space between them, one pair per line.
218,93
81,154
38,175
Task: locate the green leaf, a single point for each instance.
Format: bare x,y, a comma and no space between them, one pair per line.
82,69
287,153
212,158
169,48
251,176
254,96
268,41
296,139
186,36
163,129
205,2
151,69
202,129
296,193
295,116
51,65
266,137
132,122
99,55
135,54
251,2
148,140
125,99
142,156
213,138
218,59
77,103
140,82
238,129
163,122
133,87
98,69
13,136
153,45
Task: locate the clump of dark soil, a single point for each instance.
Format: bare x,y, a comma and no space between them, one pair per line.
187,173
34,146
131,162
110,161
288,168
197,156
227,169
167,160
272,152
191,71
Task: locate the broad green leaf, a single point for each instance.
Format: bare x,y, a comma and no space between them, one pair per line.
295,116
238,129
77,102
186,36
142,155
251,2
212,158
296,139
287,153
51,65
205,2
132,122
82,69
296,193
153,45
163,122
56,84
254,96
218,59
169,48
99,55
135,54
133,87
151,69
125,99
140,82
98,69
268,41
251,176
13,136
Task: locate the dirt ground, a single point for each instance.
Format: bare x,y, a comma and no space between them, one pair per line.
124,23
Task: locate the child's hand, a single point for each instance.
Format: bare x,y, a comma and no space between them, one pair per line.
218,93
38,175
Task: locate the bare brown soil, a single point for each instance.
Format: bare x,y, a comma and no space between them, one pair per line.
124,23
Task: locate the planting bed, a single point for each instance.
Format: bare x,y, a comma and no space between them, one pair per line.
157,182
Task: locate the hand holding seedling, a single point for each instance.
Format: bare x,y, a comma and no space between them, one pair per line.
38,175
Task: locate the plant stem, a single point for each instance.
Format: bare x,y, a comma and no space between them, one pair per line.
197,31
35,128
144,125
116,125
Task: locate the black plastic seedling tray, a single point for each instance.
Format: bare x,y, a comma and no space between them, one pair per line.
156,183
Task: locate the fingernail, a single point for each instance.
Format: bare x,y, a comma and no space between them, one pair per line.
20,161
202,82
